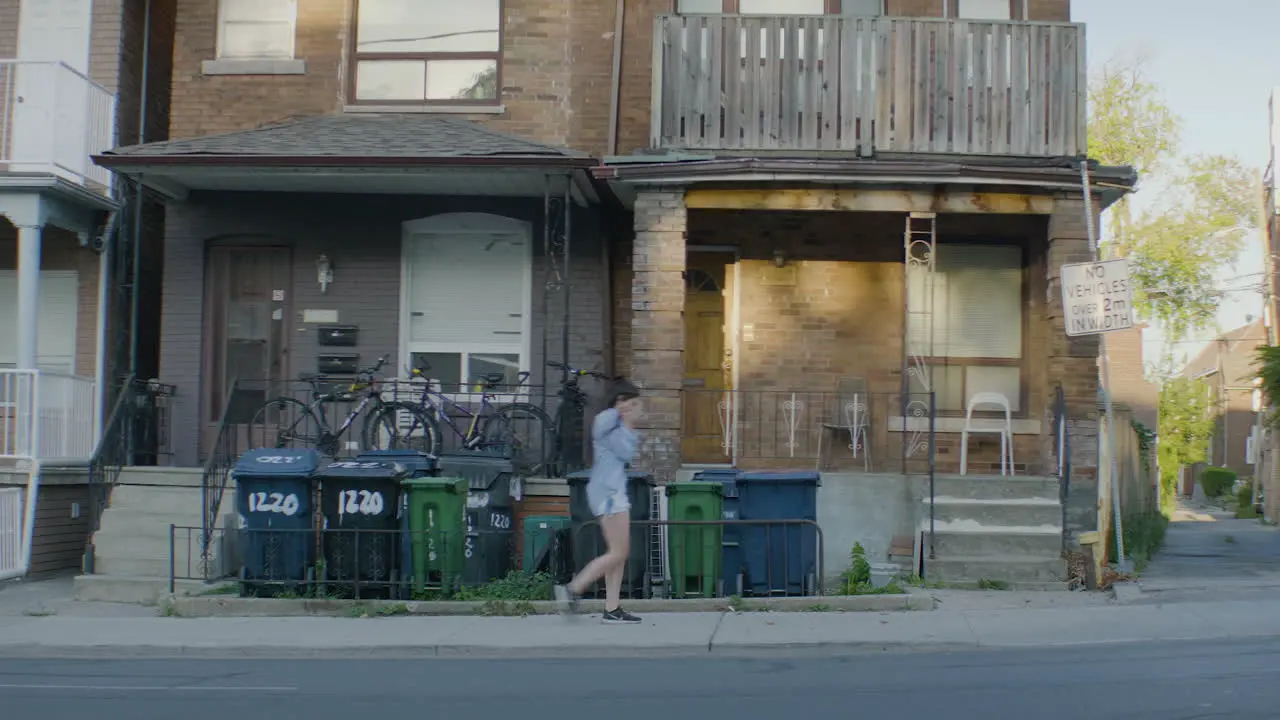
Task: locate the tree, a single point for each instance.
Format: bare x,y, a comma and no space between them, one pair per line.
1186,423
1207,204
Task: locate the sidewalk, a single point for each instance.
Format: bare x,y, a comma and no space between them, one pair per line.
660,634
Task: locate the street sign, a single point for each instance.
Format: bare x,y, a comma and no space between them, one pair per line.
1097,297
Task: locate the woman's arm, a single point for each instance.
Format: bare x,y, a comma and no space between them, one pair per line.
609,432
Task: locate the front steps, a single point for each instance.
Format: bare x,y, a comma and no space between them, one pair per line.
131,549
995,530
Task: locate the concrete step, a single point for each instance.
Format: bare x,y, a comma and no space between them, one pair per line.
996,487
1033,512
159,499
151,564
997,542
190,477
139,590
1017,570
131,523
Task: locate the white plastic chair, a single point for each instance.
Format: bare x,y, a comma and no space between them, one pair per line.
997,400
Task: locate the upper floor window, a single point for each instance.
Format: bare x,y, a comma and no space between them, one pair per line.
256,29
782,7
422,52
984,9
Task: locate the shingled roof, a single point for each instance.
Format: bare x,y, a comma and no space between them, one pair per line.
406,136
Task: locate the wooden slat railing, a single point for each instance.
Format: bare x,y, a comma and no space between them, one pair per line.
813,83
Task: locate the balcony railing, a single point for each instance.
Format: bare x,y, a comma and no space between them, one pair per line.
52,119
47,415
822,83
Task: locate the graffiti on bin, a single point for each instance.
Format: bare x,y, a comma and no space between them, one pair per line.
476,500
360,502
278,459
352,465
284,504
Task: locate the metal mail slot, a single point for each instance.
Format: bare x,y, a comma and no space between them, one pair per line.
343,365
338,335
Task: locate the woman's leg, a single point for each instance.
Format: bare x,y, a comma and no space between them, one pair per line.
618,533
601,566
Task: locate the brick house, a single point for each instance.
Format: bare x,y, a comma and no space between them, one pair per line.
73,82
885,196
1225,365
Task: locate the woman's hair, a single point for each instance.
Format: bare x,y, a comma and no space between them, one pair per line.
622,390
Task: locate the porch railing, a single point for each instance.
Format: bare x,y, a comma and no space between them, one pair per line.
47,415
10,530
909,85
52,119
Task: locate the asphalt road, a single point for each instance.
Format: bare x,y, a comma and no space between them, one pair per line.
1168,681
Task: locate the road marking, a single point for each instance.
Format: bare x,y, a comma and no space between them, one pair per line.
151,688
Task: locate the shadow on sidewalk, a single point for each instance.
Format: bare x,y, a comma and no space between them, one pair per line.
1209,550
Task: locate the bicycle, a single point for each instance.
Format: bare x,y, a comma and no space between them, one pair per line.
570,413
309,428
489,426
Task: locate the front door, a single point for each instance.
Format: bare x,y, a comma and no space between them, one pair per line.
707,374
246,311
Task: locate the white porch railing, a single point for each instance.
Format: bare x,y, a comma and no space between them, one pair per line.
46,416
52,119
11,553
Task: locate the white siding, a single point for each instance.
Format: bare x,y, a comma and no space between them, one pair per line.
56,349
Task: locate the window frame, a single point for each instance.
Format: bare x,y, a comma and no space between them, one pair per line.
354,57
942,361
220,39
730,7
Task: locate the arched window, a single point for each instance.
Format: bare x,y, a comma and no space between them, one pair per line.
699,281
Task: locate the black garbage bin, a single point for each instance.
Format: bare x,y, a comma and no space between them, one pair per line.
489,548
360,504
588,541
419,464
274,498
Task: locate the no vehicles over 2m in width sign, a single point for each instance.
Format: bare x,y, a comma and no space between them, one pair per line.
1097,297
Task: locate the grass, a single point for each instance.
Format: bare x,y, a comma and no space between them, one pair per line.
1143,536
986,584
1229,539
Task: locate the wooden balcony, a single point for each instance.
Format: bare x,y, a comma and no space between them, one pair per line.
869,85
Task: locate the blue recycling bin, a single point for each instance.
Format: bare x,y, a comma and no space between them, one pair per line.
361,510
779,560
418,464
275,501
733,564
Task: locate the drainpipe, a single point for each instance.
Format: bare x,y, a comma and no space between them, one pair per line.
616,81
137,199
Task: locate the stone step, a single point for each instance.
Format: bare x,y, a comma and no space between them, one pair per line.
123,524
1017,570
996,487
1033,512
189,477
143,562
996,542
158,499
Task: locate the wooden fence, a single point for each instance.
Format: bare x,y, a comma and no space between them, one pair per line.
824,83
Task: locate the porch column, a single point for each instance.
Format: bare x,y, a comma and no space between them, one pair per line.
1073,364
29,239
657,325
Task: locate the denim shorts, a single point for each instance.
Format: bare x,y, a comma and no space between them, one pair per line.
612,505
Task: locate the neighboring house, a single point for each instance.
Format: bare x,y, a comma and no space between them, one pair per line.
1129,382
1226,368
1271,446
71,85
799,193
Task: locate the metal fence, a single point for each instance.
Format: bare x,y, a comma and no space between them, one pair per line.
47,415
842,431
712,558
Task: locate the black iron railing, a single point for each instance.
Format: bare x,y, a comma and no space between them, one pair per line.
222,458
1062,453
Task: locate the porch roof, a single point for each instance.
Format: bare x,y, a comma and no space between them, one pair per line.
918,172
390,153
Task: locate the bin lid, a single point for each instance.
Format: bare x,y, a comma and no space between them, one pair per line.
696,486
782,477
481,471
363,469
450,484
581,476
277,461
409,458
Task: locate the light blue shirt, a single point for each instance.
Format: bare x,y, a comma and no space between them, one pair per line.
614,446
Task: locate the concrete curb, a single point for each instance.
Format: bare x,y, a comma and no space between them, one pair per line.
220,606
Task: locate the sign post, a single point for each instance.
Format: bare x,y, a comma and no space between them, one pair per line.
1097,299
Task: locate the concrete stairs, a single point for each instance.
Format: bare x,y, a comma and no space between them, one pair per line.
995,530
131,550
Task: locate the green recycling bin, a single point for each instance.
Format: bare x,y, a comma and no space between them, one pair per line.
695,550
437,531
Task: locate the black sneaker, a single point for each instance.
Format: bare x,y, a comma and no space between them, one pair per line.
618,616
567,601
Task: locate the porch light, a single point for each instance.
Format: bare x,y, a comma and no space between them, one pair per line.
779,259
324,272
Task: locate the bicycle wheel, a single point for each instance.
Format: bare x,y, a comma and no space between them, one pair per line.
401,426
527,433
285,423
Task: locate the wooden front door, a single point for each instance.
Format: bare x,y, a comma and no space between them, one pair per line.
246,343
706,361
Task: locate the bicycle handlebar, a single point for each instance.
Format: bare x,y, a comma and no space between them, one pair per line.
579,373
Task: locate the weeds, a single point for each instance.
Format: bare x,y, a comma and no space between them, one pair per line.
988,584
857,579
519,587
1143,536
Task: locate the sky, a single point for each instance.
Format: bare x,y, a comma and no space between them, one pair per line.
1216,74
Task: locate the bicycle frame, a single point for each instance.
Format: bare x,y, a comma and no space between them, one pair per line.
441,410
316,409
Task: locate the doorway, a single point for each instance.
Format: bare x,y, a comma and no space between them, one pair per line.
246,347
708,357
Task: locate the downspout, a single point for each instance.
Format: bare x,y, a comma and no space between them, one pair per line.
615,83
137,199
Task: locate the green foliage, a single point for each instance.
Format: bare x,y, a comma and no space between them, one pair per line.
1217,481
1186,424
1146,440
1207,204
1266,361
516,587
856,580
1143,535
1244,500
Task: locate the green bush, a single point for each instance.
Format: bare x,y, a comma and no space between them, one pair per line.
1143,536
516,586
1217,481
1244,499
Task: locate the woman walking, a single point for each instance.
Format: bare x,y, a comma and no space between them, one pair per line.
615,440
